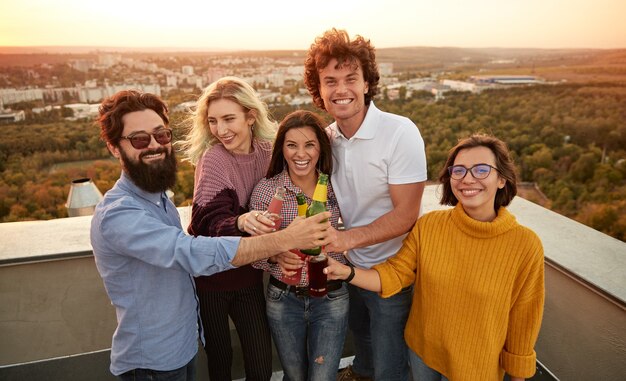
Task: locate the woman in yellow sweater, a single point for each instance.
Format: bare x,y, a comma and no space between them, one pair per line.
478,274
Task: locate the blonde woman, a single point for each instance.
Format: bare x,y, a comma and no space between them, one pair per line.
230,143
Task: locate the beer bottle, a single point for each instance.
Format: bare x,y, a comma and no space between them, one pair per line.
318,205
295,278
302,205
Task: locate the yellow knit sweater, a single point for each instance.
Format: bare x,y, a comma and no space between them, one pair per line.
479,293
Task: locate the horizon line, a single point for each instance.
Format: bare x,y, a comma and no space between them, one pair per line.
217,49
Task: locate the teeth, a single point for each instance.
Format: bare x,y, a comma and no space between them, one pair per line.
342,101
470,192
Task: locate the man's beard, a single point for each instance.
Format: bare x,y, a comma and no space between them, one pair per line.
156,177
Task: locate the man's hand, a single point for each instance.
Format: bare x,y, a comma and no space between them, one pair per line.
300,234
339,241
307,233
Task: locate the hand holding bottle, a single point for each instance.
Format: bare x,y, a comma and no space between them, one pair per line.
307,232
256,222
318,205
292,266
291,263
262,222
336,270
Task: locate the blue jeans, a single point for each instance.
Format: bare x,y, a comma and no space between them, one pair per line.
184,373
377,326
421,371
308,332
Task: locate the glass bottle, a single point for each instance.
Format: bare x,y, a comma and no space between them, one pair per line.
302,206
318,205
275,206
319,260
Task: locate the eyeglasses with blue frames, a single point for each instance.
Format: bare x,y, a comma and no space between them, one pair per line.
141,139
479,171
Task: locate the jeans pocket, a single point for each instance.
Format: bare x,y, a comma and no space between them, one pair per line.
274,294
340,293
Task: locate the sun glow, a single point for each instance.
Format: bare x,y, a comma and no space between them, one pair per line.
282,24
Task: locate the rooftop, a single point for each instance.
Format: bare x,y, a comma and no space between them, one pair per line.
55,315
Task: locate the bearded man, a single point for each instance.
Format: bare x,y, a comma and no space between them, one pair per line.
145,259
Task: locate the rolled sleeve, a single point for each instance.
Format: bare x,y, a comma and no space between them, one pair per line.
518,365
518,357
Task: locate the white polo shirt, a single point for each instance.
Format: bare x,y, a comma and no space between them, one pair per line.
386,149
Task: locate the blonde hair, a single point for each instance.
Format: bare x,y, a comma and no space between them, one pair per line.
199,137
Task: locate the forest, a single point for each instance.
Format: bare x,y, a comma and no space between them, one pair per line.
568,139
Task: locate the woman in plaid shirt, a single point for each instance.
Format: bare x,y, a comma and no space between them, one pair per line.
308,332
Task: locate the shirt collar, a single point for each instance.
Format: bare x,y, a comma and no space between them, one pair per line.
155,198
368,127
287,183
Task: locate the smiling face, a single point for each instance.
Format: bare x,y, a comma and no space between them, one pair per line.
231,125
343,90
477,196
153,168
301,151
142,121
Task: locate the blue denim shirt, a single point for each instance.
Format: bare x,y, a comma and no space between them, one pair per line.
145,260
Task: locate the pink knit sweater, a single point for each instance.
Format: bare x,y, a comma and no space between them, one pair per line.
223,185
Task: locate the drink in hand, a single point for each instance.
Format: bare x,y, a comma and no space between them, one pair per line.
295,278
275,206
318,205
317,278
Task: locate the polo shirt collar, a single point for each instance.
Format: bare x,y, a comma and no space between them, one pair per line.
368,127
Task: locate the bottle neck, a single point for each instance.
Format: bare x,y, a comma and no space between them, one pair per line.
321,191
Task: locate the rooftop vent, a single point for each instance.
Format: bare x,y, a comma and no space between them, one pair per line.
83,197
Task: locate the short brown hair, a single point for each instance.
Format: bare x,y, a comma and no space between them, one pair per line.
336,44
301,118
113,109
504,164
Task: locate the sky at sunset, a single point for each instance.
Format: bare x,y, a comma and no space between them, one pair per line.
293,24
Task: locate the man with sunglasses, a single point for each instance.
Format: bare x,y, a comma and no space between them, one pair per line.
146,260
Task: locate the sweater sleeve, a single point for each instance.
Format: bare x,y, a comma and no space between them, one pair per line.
518,357
260,200
218,217
399,271
216,205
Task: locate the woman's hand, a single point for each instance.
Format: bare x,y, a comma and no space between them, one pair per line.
288,262
336,270
256,222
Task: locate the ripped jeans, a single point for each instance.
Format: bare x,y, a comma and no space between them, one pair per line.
308,332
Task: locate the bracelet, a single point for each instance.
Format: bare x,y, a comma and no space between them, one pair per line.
351,276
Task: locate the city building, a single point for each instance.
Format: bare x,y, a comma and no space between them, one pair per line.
507,79
187,70
9,116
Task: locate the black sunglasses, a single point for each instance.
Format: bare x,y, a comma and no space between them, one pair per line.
141,140
479,171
